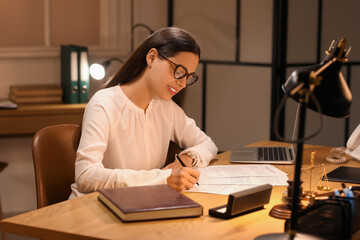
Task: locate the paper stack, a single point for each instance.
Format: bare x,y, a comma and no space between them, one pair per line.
226,179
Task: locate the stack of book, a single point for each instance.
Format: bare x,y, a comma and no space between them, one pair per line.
32,94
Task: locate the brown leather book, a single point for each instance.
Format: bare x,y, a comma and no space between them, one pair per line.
36,99
148,203
36,90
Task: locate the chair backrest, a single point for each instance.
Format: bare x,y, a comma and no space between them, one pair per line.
54,153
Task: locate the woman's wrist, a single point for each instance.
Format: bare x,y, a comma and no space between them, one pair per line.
192,158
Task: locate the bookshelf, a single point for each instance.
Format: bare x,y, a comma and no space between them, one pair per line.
28,119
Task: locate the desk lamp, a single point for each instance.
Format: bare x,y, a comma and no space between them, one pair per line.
322,88
97,70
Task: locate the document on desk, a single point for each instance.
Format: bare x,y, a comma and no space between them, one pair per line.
225,179
224,189
243,174
249,180
221,171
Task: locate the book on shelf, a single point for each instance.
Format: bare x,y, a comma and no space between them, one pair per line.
36,90
36,99
148,203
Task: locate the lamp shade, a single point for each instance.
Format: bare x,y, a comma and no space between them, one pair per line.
326,82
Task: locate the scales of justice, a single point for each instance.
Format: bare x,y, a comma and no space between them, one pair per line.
282,211
323,178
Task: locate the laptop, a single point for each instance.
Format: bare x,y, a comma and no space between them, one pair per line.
270,155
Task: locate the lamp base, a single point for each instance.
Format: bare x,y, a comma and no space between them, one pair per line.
280,211
286,236
283,211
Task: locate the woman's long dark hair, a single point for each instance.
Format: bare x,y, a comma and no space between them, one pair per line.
168,41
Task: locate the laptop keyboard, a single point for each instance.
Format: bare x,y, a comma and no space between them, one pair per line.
274,153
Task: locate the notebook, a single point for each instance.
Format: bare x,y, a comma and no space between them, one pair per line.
270,155
344,174
148,203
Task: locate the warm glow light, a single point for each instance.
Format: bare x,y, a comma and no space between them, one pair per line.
97,71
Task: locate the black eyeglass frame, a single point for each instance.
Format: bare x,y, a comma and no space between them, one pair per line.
191,78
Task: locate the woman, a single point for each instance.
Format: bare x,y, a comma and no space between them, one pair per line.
128,125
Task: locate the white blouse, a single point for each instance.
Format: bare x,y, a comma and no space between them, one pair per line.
122,145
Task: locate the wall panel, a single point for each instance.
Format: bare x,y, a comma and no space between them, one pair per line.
74,22
256,31
302,31
17,21
212,22
152,13
341,19
193,100
238,105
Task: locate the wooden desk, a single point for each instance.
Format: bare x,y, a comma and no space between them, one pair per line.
28,119
87,218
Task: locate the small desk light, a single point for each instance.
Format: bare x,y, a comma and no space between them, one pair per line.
98,70
322,88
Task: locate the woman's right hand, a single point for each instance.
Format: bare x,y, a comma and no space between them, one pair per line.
183,178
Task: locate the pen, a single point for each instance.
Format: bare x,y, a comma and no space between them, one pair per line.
182,163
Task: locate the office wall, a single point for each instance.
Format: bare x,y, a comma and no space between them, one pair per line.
237,96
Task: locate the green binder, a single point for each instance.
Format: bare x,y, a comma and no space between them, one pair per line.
84,76
70,74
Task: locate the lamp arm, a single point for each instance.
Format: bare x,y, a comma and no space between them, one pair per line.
277,114
320,70
314,79
115,59
144,26
107,62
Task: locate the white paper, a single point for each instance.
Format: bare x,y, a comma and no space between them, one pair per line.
273,180
225,189
221,171
226,179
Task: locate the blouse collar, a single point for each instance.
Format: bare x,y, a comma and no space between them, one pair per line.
134,107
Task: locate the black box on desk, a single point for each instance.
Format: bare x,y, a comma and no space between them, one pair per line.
243,202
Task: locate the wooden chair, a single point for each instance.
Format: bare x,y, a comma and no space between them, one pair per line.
3,165
54,152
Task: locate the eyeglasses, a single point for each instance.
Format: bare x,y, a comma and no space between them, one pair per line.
180,72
